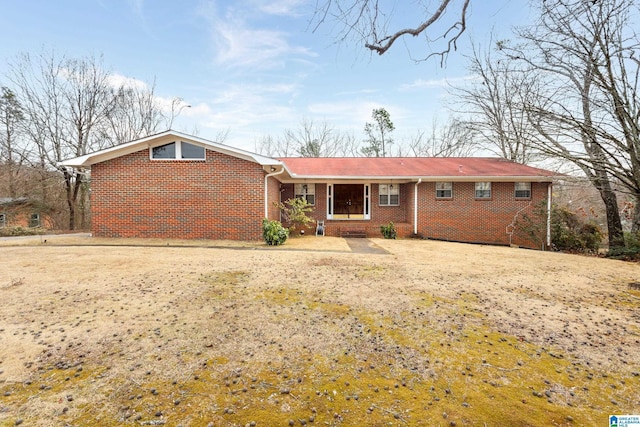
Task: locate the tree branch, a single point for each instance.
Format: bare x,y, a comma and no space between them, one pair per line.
384,44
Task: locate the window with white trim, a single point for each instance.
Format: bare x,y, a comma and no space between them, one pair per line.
523,190
389,194
178,150
3,220
483,190
306,192
444,190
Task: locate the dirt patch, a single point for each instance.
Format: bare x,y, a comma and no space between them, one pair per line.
434,333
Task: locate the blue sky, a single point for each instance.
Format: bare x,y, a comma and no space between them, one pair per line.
251,67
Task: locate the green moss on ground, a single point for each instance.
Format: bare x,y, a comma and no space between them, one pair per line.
435,363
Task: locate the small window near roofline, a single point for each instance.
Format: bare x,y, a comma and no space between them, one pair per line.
3,220
444,190
389,194
178,150
523,190
306,192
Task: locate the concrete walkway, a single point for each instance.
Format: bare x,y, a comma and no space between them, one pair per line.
364,246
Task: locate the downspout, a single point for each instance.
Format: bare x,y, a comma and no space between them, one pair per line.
266,192
415,207
549,187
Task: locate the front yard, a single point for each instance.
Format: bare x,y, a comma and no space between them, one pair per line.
221,334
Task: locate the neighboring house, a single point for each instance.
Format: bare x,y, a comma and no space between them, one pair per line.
20,212
173,185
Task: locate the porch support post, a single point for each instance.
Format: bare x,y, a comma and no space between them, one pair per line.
415,207
549,192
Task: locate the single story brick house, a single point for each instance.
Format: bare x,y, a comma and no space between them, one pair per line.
22,212
174,185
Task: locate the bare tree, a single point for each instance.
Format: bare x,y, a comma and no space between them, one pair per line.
584,52
221,136
309,140
71,107
269,146
494,102
315,140
454,139
136,114
349,145
375,23
12,155
64,101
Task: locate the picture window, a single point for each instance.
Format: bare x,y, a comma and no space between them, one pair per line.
178,150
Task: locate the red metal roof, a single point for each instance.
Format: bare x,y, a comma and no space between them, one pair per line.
409,167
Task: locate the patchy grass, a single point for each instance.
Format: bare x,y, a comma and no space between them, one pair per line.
197,337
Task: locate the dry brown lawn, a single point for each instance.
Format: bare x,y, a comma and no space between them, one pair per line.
145,332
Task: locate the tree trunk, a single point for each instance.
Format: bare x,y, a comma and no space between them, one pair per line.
614,223
635,225
12,185
72,212
68,184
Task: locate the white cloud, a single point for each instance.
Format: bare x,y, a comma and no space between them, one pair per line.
118,80
280,7
247,93
239,45
137,6
249,111
347,114
199,110
357,92
434,84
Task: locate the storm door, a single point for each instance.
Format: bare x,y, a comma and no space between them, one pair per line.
348,201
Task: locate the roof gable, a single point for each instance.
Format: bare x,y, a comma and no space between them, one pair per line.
160,139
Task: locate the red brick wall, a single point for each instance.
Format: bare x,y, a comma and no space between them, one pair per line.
385,214
220,198
461,218
274,198
223,198
466,219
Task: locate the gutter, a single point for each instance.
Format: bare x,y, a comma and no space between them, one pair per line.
407,179
266,192
415,207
